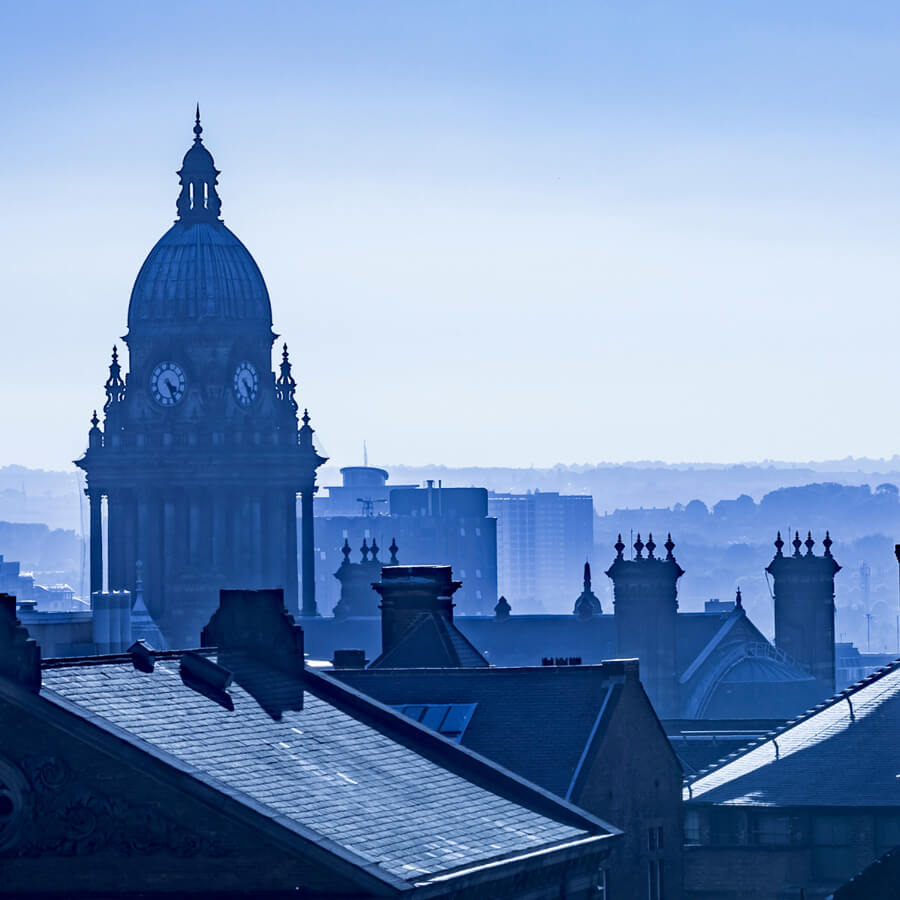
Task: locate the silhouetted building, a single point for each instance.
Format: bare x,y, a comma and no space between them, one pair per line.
364,491
200,457
234,770
804,605
803,809
542,539
585,733
716,664
431,525
646,607
356,579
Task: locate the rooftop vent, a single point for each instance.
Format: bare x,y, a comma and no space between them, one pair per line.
142,656
203,671
350,659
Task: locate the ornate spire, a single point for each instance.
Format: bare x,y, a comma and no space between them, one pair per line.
738,601
827,544
619,547
365,551
587,605
502,609
394,548
779,544
670,546
810,543
797,543
198,200
285,386
375,549
651,546
115,387
346,551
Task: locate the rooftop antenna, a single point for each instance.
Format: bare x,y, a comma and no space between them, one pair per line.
365,455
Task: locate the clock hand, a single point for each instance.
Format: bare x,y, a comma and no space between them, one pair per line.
171,387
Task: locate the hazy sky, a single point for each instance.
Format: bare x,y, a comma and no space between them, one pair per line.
493,233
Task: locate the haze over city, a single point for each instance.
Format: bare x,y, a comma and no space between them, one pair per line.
448,451
603,233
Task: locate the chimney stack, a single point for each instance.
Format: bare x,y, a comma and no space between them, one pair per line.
804,605
409,591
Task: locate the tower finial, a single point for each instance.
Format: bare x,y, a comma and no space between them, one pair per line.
115,386
651,546
198,176
394,548
738,600
779,544
669,545
286,386
639,547
587,576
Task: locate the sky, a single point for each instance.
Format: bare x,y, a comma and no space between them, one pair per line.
502,233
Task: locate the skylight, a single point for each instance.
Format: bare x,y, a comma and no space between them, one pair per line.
448,719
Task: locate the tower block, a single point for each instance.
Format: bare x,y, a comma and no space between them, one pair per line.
804,605
645,595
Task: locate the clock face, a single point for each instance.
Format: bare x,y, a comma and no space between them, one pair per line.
246,383
167,383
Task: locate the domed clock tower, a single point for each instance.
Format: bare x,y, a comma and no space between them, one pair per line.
201,454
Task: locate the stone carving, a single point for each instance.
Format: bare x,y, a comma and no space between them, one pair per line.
46,810
13,804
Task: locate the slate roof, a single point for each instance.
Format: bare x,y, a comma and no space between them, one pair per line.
568,707
432,642
346,772
842,753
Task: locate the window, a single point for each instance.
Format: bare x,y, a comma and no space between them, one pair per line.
655,879
462,532
478,573
448,719
770,830
692,827
477,532
833,855
887,834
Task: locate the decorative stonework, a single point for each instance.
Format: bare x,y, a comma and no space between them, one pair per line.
50,812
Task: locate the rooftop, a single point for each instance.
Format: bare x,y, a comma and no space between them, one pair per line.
840,753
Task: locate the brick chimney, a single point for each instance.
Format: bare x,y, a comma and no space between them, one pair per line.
256,624
407,592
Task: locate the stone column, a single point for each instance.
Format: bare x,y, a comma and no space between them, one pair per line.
308,552
289,546
96,499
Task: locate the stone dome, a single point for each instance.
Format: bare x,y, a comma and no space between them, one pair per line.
198,272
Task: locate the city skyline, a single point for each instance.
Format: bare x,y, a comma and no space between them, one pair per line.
596,236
